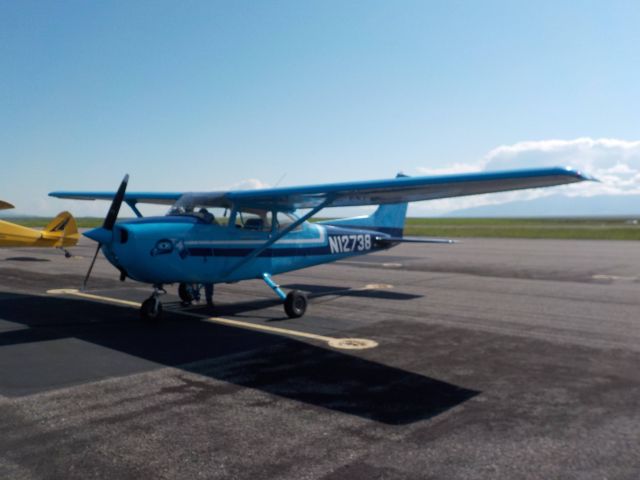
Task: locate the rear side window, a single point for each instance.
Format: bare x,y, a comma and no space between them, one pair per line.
284,220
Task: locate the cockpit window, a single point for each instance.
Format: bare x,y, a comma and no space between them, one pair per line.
256,220
206,208
196,206
286,219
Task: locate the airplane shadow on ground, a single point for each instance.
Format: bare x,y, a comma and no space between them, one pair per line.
315,293
276,365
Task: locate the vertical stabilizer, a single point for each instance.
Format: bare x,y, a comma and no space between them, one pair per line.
387,219
64,228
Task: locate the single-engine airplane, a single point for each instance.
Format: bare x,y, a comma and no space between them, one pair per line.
259,233
60,233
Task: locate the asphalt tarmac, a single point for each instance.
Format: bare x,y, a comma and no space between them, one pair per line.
495,359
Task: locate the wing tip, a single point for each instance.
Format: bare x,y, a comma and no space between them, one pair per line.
579,175
5,205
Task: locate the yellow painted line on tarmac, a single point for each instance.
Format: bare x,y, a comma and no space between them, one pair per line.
255,326
340,343
90,296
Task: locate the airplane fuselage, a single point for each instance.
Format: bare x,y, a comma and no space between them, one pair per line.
13,235
184,249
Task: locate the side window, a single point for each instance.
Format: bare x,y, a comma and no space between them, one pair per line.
286,219
188,206
214,215
256,220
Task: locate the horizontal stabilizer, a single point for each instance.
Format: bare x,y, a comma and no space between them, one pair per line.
394,240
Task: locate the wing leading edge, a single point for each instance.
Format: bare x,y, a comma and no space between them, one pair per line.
407,189
373,192
158,198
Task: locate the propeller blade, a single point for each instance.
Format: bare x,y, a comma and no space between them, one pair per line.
86,278
110,219
100,234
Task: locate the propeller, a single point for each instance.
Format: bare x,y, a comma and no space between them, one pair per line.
104,234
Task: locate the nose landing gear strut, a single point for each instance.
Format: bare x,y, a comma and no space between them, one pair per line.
151,309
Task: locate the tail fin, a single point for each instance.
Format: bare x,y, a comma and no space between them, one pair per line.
387,219
63,227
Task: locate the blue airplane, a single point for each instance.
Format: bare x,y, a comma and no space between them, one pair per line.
259,233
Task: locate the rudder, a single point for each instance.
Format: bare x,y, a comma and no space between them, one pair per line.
63,227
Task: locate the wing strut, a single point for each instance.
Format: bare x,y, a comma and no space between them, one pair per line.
132,205
280,234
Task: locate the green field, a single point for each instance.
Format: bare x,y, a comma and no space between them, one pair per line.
560,228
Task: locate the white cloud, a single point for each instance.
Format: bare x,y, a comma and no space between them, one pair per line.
248,184
614,162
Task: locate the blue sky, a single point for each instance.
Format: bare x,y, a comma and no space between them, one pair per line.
203,95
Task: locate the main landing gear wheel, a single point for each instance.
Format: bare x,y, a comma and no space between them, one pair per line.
151,310
295,304
185,292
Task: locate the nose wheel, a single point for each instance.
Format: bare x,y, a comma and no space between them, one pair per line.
151,308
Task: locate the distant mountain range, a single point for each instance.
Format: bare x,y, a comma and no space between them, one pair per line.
559,206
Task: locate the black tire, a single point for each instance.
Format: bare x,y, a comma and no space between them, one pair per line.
185,293
295,304
151,310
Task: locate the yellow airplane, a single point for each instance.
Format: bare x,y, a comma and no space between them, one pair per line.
61,232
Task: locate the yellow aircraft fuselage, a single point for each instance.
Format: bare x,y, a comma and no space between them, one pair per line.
61,232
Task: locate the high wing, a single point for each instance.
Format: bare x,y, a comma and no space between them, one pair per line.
405,189
5,205
158,198
372,192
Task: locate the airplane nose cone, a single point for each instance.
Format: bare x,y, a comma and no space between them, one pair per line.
100,235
